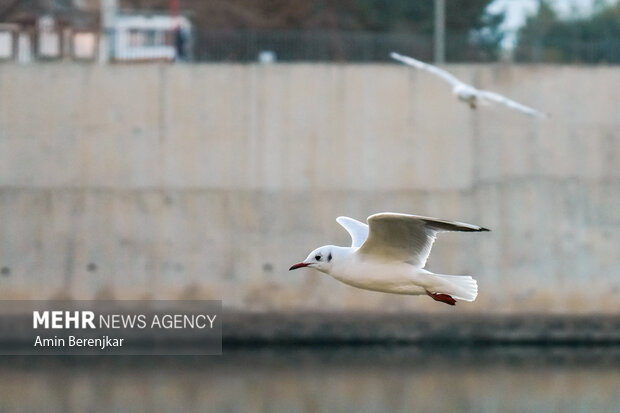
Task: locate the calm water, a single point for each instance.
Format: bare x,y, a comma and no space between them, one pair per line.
342,379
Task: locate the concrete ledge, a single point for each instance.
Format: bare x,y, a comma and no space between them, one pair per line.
407,328
241,329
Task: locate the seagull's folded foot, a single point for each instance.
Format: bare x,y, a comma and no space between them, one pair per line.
444,298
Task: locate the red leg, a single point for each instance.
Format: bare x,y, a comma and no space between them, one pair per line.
444,298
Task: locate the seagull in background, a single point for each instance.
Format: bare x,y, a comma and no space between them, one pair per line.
465,92
389,255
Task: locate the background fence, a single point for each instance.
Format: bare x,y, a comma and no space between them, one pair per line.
245,46
309,46
349,46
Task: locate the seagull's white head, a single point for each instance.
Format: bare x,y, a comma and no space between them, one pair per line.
321,259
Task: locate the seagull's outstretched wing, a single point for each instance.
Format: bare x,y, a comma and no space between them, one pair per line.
410,61
357,230
496,97
407,238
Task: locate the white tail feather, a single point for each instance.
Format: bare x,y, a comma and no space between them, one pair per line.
461,287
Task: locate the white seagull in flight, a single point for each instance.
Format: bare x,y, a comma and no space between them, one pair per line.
389,255
465,92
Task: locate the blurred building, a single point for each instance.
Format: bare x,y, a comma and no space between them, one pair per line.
141,37
47,30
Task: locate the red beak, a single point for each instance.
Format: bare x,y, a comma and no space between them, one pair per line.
300,265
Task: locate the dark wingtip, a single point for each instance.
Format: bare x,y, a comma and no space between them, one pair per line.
484,229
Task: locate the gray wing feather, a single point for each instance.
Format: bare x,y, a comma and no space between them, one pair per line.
407,238
410,61
496,97
357,230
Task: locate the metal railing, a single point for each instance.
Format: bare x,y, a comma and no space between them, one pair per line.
575,51
305,46
328,46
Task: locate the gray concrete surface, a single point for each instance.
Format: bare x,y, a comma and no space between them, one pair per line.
209,181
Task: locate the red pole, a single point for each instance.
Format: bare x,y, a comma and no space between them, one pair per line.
176,30
174,12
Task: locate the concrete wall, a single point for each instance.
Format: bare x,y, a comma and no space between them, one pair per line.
209,181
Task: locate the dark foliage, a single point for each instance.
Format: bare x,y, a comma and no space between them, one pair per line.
594,39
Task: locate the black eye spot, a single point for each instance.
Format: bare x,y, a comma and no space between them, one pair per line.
317,257
329,257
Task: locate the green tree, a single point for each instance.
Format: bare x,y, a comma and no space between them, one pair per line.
471,32
592,39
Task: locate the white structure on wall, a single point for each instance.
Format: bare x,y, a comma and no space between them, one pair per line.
48,39
24,48
7,41
155,37
84,45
